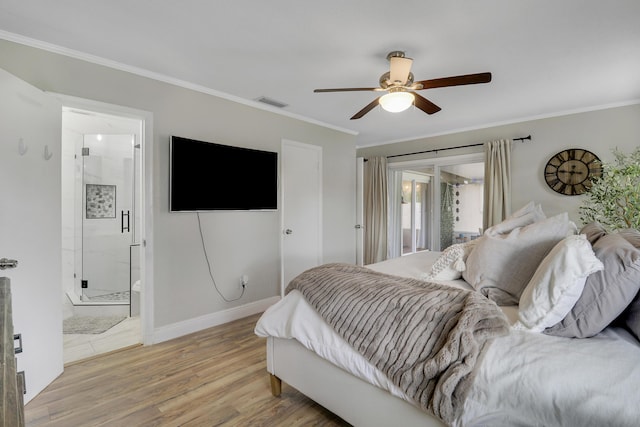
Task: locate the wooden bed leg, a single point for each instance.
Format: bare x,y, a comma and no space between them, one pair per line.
276,385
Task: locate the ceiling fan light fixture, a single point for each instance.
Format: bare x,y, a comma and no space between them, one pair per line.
396,102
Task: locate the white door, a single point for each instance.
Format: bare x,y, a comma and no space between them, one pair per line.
301,172
30,225
360,211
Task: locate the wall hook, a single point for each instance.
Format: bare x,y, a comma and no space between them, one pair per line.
47,154
22,147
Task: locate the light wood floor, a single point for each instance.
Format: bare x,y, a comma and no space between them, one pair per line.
216,377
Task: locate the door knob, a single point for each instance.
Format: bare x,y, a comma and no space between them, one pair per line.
288,231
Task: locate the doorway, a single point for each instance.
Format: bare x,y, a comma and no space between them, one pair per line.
101,230
435,203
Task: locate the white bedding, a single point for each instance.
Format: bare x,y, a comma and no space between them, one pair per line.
524,379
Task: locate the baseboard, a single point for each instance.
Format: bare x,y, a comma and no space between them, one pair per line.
175,330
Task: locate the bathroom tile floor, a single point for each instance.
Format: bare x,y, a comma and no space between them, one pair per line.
82,346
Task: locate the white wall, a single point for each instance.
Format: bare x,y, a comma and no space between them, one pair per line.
598,131
238,243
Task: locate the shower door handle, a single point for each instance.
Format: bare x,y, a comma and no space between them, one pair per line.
122,227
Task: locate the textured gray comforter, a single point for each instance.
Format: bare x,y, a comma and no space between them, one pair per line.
425,337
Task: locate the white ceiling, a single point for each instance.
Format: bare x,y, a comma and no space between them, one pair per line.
547,57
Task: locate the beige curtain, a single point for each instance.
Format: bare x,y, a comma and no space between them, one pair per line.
497,182
375,210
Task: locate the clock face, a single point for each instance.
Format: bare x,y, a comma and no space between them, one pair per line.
570,171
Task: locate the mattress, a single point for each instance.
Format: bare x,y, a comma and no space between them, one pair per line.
524,378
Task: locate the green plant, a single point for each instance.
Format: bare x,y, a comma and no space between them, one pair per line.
614,198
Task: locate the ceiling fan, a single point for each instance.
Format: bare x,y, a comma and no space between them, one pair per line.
400,87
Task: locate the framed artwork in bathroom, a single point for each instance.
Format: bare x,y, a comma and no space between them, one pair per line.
100,201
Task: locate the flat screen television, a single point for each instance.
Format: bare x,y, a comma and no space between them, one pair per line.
205,176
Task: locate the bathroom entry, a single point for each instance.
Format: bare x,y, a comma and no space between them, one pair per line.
101,221
108,217
101,179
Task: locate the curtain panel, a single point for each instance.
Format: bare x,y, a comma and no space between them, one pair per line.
497,182
375,210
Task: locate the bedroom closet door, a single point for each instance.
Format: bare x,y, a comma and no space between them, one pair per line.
301,172
359,211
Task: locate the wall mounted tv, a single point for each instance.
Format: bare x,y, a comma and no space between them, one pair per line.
205,176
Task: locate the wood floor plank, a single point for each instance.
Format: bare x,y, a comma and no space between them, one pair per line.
215,377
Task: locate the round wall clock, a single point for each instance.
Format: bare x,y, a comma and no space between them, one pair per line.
570,171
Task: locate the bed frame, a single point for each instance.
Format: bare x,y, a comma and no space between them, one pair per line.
354,400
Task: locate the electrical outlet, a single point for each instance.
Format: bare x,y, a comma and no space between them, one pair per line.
84,284
244,280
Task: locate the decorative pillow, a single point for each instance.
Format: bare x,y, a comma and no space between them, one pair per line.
631,316
607,293
450,265
501,266
557,283
524,216
593,231
632,236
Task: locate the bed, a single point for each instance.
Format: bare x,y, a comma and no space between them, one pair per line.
555,369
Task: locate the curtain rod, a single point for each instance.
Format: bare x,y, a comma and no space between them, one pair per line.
528,137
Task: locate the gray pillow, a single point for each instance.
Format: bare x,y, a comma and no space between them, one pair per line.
501,266
593,231
606,293
631,316
632,236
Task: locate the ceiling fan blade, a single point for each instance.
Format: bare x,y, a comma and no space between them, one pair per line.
425,105
399,69
347,89
468,79
366,109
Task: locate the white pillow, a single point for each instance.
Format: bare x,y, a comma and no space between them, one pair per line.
450,265
529,207
557,283
528,214
501,266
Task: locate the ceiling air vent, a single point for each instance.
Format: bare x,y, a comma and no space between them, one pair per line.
271,102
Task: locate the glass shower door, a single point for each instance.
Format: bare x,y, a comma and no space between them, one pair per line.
107,216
